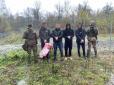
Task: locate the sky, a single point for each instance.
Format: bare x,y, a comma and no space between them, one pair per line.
17,6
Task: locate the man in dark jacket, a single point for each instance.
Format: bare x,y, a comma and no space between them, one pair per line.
57,35
30,43
68,35
44,34
80,39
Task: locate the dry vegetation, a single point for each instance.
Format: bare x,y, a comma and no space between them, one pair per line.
94,71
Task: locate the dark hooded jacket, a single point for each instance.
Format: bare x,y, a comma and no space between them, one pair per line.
80,34
68,32
44,34
57,32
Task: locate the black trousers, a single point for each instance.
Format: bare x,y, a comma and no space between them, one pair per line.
68,48
83,48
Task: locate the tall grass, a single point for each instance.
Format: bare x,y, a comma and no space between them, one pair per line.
14,67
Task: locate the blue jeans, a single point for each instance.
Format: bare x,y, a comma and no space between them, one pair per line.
60,46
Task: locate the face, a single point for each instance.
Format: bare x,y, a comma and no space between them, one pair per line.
57,26
44,25
79,25
29,29
68,26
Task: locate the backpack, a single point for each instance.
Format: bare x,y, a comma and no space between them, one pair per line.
25,47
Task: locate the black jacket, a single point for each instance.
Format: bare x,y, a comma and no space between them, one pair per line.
68,32
57,33
80,34
44,34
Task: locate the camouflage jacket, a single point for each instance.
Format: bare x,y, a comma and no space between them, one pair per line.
30,38
92,32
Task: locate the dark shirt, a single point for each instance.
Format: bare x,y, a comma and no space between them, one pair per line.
57,33
44,34
68,32
80,34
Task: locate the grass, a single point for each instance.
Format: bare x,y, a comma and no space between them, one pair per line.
105,37
14,67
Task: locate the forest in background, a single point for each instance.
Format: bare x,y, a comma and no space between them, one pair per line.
63,14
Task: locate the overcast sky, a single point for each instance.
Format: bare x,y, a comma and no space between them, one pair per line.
48,5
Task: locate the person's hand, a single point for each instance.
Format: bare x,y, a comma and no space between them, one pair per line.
56,38
82,41
45,41
69,37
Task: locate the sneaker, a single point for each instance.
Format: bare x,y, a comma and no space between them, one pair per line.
65,58
70,58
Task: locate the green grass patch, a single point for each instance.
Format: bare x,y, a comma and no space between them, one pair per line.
14,67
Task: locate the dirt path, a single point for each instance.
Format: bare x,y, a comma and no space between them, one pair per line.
6,48
102,45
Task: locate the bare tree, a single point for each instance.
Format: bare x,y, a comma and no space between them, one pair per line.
67,8
36,14
3,8
107,9
28,15
83,12
59,11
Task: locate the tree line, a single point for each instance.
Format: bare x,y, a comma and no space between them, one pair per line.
64,13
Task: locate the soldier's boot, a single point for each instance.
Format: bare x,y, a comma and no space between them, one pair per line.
35,58
96,54
35,55
89,49
95,51
88,53
29,59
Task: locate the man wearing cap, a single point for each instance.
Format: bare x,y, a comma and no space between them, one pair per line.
92,33
31,43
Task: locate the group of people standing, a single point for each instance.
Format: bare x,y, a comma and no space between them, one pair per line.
58,34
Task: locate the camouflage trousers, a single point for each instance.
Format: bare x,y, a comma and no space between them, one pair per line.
90,45
34,51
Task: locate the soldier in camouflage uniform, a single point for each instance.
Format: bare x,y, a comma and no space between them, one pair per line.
30,43
92,33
